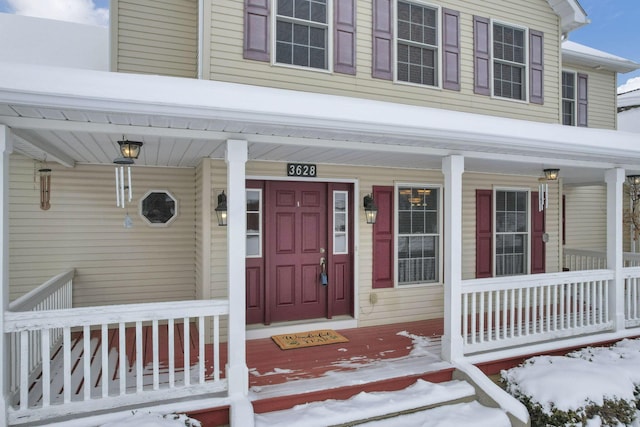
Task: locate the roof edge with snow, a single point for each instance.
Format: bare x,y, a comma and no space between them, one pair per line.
579,54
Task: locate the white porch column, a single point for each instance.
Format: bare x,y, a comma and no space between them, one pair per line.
5,151
615,179
237,371
452,168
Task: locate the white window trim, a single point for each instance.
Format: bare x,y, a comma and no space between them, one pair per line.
396,235
439,55
494,231
260,234
525,84
575,97
330,29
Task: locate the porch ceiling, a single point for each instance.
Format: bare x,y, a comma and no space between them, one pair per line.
77,116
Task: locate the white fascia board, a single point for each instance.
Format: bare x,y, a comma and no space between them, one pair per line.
180,97
572,15
578,54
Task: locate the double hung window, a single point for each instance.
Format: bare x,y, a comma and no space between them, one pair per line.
418,248
512,232
569,94
302,33
509,62
417,44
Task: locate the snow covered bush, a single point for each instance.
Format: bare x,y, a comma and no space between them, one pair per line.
570,391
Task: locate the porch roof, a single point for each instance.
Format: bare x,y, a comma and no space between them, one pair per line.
76,116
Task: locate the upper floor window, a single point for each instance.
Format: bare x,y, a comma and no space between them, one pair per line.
302,33
417,44
509,62
418,214
569,101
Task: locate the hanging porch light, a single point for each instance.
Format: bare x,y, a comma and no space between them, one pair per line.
543,187
129,149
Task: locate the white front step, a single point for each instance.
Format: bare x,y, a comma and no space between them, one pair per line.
365,406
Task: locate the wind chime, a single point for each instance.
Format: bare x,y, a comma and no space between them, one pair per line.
130,151
543,187
45,186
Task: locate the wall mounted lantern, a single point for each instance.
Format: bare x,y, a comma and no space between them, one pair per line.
45,187
221,209
370,209
129,149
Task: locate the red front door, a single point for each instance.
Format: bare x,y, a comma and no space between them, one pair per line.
296,242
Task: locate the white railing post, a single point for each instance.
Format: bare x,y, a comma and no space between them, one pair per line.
615,179
452,342
237,371
5,151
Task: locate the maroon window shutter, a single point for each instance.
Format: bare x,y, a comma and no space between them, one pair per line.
345,37
451,49
383,241
382,40
583,100
481,56
256,30
484,233
536,67
538,253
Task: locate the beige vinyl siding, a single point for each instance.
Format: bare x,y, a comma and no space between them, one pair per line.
394,304
156,37
84,230
586,217
227,63
601,92
553,224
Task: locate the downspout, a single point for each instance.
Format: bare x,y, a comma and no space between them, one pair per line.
5,151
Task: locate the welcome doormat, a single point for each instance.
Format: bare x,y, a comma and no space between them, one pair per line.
308,339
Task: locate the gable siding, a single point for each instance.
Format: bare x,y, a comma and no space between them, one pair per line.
586,217
156,37
227,63
84,230
601,88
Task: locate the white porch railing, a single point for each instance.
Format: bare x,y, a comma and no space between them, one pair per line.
632,297
93,384
54,294
519,310
578,259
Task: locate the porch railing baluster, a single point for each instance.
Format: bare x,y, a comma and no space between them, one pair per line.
86,357
156,356
171,350
201,341
46,368
104,351
186,353
122,359
24,370
66,347
216,348
139,358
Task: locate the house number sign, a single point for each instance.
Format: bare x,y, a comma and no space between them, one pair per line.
301,169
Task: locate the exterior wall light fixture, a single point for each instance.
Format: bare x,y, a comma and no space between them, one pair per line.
370,209
221,209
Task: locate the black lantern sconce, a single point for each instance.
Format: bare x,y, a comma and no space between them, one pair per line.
221,209
129,149
370,209
551,174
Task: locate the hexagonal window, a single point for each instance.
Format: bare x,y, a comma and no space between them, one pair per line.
158,208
